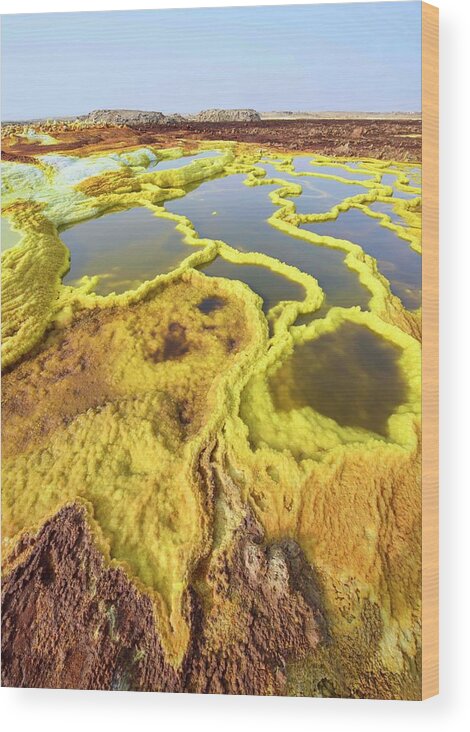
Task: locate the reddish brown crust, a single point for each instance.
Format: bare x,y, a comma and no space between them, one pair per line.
265,611
382,139
70,621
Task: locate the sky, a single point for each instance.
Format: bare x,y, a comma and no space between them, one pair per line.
351,57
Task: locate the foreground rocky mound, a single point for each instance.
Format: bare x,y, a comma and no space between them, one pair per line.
92,628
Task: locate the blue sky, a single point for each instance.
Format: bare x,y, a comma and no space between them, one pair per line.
351,57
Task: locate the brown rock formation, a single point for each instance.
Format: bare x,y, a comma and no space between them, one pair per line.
72,621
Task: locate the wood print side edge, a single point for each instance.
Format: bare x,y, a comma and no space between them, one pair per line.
430,358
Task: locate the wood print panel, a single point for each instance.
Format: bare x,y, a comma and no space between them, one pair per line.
219,350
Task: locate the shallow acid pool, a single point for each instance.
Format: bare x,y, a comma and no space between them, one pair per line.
10,237
413,173
351,375
397,261
387,208
228,210
124,249
319,195
303,164
390,179
270,286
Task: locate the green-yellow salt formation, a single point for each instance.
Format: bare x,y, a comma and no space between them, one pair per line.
118,401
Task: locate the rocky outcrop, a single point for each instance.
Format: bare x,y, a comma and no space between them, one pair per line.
128,117
227,115
266,611
138,118
175,120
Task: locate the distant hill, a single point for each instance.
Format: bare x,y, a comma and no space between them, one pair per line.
128,117
226,115
141,118
340,115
